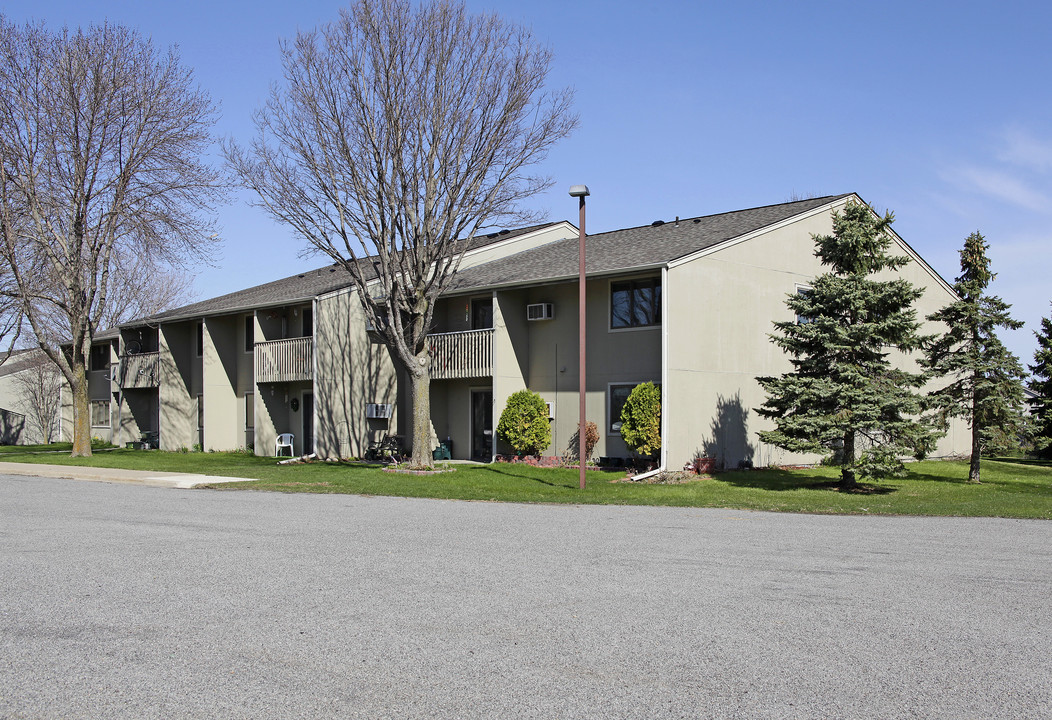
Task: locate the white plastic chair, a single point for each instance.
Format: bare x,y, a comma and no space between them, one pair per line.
284,441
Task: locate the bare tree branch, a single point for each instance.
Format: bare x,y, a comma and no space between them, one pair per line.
400,132
101,147
40,385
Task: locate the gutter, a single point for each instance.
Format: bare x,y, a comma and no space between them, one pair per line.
664,380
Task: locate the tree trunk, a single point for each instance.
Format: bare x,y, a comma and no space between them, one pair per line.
973,464
847,471
81,413
420,420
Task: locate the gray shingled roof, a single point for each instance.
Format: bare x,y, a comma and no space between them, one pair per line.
18,360
301,287
633,248
610,252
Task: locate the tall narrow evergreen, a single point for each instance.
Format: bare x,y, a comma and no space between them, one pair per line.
1041,385
844,395
985,378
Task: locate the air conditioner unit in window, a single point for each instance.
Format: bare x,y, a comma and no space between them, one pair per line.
378,411
540,311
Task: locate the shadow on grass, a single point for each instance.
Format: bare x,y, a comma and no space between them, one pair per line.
775,480
1021,461
537,475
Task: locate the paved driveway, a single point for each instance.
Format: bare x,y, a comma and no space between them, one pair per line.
139,602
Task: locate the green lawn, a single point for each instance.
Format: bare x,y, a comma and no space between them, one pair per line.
1021,489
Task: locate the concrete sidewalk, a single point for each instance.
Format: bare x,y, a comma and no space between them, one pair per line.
116,475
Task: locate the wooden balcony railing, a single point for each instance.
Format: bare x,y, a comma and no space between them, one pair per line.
285,360
467,354
139,371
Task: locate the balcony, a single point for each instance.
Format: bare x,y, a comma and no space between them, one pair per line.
286,360
456,355
139,371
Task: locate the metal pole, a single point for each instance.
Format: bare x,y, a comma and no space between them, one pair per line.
582,429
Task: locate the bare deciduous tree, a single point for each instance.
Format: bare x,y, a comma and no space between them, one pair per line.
40,385
102,141
146,288
400,132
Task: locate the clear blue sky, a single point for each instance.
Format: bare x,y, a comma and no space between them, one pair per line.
939,111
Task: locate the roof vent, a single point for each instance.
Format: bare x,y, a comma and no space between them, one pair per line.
505,232
491,235
657,223
697,220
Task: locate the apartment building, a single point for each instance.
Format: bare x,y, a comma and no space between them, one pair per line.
687,304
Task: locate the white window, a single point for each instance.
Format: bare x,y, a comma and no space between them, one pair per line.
250,411
802,290
617,395
100,413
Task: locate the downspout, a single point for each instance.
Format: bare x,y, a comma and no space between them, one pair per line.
664,379
313,379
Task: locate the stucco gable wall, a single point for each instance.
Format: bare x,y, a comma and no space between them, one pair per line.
518,244
721,309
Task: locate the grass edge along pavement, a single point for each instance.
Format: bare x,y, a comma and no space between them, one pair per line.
1010,488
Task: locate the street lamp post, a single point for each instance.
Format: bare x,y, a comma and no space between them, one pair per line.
581,192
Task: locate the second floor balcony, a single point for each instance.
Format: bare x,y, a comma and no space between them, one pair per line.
139,371
288,360
467,354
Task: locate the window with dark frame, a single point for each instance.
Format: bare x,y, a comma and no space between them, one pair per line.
100,358
635,303
250,333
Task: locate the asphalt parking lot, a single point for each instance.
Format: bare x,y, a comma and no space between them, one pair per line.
125,601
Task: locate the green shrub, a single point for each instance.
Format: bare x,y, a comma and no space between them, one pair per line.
641,419
524,423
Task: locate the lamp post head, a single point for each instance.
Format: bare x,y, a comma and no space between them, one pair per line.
579,191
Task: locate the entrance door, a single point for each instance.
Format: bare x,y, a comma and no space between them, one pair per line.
308,423
482,425
482,314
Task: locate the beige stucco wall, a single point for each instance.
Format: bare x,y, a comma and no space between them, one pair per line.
223,353
721,311
177,362
350,371
519,244
613,356
511,357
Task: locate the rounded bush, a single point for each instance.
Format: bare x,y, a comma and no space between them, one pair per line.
524,423
641,419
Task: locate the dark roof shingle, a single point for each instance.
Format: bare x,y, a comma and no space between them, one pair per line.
632,248
301,287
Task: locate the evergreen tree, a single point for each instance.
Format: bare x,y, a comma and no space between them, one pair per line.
986,379
1041,385
844,395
